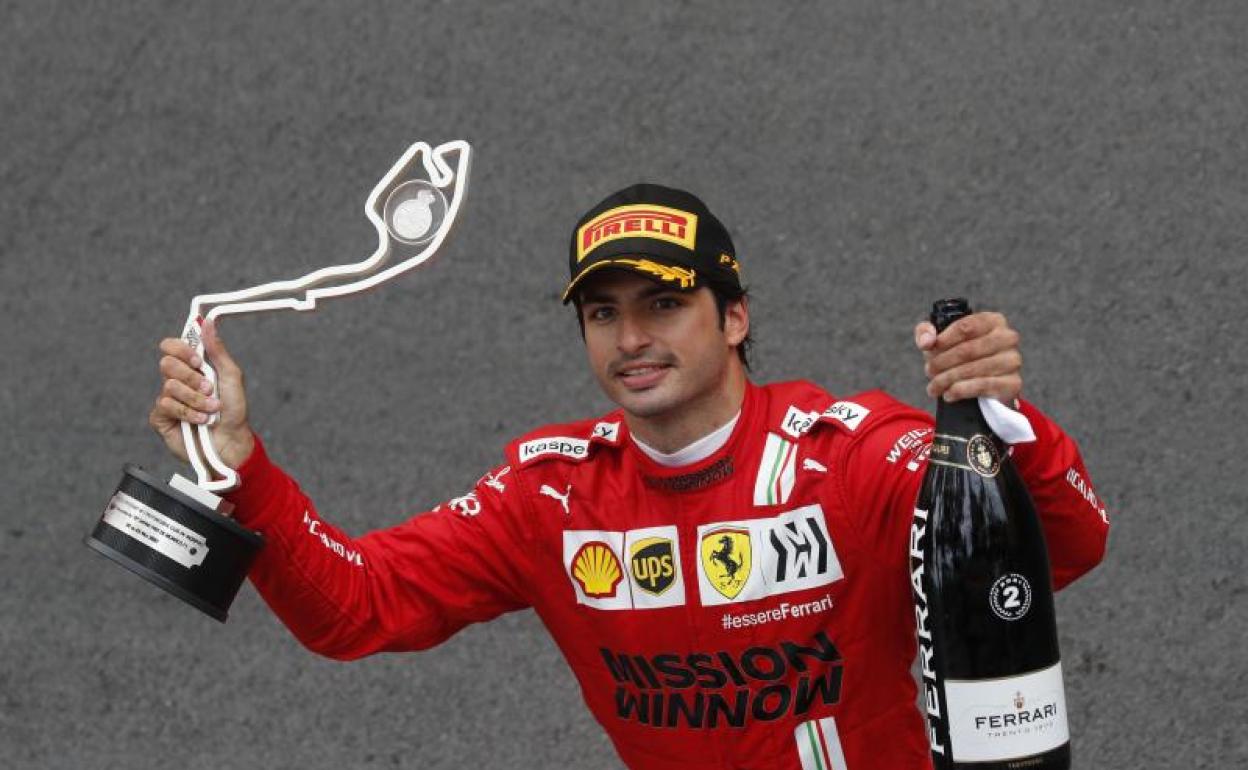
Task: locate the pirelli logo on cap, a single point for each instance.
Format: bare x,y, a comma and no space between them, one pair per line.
642,220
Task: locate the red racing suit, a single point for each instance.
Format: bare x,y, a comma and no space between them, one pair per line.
751,610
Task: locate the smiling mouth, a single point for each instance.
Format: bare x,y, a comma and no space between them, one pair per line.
641,375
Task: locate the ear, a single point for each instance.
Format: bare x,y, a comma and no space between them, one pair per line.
737,320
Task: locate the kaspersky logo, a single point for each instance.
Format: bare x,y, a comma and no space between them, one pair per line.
637,221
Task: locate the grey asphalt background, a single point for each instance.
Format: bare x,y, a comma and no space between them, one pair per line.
1080,166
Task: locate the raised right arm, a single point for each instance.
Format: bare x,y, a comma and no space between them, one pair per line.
405,587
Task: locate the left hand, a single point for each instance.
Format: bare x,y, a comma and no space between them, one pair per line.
975,356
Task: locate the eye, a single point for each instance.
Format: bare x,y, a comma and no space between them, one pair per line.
599,313
667,302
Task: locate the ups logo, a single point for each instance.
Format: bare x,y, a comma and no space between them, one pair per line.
652,564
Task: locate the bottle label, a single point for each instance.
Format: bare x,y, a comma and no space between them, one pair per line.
1010,596
994,720
979,453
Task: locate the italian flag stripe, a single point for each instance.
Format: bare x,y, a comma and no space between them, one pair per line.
816,748
775,471
819,745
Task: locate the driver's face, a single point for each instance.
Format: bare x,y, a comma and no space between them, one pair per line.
654,349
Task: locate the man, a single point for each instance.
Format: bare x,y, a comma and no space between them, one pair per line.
724,565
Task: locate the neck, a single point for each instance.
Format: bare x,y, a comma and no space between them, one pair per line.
694,419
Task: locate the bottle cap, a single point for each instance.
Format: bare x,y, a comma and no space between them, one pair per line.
946,311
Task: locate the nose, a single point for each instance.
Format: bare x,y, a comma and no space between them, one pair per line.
631,335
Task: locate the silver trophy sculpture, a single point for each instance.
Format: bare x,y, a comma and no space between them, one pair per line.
179,535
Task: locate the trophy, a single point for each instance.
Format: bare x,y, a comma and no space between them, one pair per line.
179,535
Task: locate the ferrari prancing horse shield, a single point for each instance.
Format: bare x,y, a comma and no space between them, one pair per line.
726,559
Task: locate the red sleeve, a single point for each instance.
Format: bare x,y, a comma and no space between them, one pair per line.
407,587
884,468
1076,525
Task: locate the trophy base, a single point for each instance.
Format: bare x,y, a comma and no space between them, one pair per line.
176,542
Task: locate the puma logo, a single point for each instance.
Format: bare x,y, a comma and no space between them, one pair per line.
814,465
550,491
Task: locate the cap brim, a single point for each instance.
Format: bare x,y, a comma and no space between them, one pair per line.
682,277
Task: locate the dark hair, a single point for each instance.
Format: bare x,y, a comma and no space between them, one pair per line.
723,296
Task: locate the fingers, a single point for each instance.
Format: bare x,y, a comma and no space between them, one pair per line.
977,355
177,348
968,328
218,355
1007,363
173,368
169,410
924,336
1005,388
185,393
190,401
945,354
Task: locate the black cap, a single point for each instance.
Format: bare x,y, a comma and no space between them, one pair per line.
665,234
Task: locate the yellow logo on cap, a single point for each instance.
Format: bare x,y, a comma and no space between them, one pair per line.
669,273
639,220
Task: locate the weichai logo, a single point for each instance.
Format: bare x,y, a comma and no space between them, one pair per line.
597,570
712,689
637,221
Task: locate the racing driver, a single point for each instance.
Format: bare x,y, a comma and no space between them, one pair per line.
723,564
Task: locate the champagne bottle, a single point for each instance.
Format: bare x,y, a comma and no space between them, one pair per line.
983,594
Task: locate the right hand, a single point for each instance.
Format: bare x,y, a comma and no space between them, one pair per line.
187,395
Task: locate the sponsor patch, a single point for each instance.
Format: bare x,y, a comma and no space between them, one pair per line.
607,431
566,446
819,745
776,471
847,413
596,569
350,555
726,560
652,562
493,479
561,497
644,220
797,422
914,445
714,689
1085,491
465,505
650,576
757,558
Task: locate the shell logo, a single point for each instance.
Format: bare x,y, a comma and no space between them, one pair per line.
596,567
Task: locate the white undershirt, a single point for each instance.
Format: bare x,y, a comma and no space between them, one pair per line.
698,450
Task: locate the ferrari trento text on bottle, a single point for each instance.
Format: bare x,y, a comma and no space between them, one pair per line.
992,675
